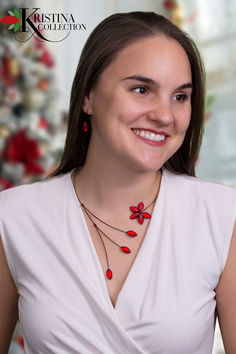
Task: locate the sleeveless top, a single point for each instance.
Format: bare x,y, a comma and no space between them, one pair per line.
167,303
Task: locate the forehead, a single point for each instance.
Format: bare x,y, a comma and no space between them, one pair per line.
158,57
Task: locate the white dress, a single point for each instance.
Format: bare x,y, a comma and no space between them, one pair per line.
166,305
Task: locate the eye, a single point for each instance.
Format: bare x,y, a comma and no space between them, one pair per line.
142,90
181,97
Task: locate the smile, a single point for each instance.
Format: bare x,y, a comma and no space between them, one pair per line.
150,137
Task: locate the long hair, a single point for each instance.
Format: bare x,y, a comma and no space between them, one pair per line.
103,45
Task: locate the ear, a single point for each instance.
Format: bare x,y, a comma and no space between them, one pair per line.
88,104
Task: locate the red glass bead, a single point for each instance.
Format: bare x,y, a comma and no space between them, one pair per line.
85,127
95,225
131,233
140,206
146,215
125,249
82,204
134,209
109,273
134,215
140,219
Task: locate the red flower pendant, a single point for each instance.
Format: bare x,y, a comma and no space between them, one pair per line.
137,213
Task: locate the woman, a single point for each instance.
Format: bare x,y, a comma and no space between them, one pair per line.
124,250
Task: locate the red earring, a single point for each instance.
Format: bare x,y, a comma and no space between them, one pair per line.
85,126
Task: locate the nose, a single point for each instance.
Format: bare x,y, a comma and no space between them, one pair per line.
161,112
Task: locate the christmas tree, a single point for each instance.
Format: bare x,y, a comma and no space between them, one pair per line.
32,130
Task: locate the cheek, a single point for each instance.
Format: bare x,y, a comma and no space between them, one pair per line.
183,120
107,103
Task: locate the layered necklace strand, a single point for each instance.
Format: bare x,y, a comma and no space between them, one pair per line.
138,213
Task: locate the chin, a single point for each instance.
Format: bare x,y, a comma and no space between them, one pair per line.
148,167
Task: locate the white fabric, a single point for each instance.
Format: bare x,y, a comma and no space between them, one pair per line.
167,303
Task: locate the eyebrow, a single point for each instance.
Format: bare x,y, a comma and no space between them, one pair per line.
147,80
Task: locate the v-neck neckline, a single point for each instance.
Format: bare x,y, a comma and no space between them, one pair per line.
143,244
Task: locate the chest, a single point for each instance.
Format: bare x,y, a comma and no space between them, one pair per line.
170,303
107,243
168,294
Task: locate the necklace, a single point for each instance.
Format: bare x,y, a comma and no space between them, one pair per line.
138,213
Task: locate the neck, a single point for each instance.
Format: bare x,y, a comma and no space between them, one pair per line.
114,189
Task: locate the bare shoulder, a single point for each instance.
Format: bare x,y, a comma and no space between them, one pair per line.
8,303
226,299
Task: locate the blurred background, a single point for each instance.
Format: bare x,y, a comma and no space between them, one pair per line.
36,78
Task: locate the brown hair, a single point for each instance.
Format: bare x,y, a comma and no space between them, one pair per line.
103,45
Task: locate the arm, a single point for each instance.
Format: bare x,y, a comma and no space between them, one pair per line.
226,299
8,303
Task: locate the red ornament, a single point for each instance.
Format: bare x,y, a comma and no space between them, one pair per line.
43,85
25,150
137,213
5,183
20,341
169,5
109,273
85,127
131,233
6,71
43,123
125,249
46,58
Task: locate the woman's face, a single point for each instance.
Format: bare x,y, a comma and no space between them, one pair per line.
141,104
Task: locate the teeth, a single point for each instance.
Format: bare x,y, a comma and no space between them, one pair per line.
149,135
